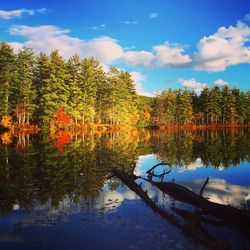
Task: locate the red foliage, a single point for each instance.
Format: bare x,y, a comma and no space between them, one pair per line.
62,138
61,117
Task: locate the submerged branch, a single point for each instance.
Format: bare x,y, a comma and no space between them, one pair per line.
162,163
204,185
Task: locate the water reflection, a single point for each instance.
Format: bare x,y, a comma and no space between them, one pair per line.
221,192
45,179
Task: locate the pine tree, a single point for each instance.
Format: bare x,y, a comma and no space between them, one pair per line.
228,106
214,105
24,93
184,109
165,107
7,77
55,92
93,75
42,70
74,81
120,97
204,101
241,105
248,107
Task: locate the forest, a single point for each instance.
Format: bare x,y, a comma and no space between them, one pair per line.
48,90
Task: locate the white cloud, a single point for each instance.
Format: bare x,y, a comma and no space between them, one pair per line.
48,37
138,79
10,14
220,82
129,47
101,26
224,48
247,17
130,22
106,49
153,15
165,55
143,164
192,83
170,56
138,58
220,191
42,10
5,14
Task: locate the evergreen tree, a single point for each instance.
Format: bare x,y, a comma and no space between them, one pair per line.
41,72
7,77
55,92
214,105
204,102
248,107
184,109
92,75
165,107
120,97
24,93
76,103
228,106
241,105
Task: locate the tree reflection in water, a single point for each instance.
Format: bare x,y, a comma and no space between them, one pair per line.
40,172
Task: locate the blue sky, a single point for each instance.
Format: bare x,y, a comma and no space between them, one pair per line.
163,43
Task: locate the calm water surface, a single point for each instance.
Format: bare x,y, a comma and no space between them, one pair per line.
59,192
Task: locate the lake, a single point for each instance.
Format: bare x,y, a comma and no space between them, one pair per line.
61,191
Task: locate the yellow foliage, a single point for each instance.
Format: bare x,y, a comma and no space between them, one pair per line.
146,115
6,121
6,138
147,136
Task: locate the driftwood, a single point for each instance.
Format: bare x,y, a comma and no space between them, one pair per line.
162,163
203,187
232,215
151,173
193,230
128,179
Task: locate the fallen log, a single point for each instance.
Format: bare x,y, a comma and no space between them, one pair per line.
232,215
196,232
129,180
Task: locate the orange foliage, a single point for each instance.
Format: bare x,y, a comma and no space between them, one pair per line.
134,135
6,138
146,115
134,118
147,137
6,121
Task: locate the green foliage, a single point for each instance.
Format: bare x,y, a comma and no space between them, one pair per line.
24,93
212,106
145,104
7,77
33,87
173,107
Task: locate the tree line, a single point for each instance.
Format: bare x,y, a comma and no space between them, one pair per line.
213,106
34,88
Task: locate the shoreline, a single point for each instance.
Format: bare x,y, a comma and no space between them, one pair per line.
197,127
